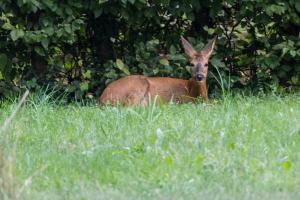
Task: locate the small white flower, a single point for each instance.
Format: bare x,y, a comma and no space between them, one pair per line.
159,133
222,134
159,137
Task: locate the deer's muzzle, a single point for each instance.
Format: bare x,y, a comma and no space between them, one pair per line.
199,77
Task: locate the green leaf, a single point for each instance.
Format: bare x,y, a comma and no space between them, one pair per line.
3,60
45,43
172,50
49,30
46,21
16,34
84,86
279,46
121,66
210,31
87,74
217,63
68,28
293,53
103,1
164,62
295,80
119,63
8,26
275,9
98,12
39,50
69,11
284,51
297,6
176,57
286,165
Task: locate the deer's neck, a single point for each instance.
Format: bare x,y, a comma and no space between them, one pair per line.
197,89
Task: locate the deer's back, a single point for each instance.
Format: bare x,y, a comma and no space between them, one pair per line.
127,90
139,89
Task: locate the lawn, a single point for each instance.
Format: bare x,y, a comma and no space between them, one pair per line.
241,148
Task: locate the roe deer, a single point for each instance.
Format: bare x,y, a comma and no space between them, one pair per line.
139,89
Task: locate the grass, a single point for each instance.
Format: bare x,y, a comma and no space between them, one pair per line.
243,148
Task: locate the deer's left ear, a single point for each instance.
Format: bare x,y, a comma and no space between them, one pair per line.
208,49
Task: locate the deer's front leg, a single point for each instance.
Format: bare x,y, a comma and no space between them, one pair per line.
203,91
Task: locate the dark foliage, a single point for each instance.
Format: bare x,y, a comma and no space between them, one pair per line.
79,46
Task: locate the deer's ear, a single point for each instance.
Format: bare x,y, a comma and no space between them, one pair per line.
188,48
208,49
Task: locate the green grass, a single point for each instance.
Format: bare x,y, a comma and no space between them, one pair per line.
244,148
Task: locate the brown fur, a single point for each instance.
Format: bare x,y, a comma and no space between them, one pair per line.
140,90
137,89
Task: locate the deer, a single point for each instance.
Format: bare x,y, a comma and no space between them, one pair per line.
141,90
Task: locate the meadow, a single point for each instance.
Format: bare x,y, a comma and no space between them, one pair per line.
238,148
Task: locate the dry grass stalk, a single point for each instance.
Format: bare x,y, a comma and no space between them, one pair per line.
7,189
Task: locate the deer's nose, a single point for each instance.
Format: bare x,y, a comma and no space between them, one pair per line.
199,77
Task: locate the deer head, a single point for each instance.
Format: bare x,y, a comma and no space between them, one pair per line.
199,60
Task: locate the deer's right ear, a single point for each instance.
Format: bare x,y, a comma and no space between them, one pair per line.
188,48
